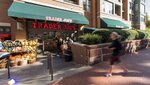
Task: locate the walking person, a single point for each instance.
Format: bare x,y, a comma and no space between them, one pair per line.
116,47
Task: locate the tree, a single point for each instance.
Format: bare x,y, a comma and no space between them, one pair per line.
147,21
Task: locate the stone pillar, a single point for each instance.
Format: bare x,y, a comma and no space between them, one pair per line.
98,11
93,13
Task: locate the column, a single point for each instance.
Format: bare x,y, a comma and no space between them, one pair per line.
98,11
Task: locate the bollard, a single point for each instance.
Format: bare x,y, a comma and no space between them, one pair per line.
50,65
8,64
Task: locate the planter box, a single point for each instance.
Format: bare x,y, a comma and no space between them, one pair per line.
88,54
91,54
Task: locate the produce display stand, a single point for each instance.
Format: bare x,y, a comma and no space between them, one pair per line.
21,52
18,53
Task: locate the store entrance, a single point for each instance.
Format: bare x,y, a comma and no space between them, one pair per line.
52,39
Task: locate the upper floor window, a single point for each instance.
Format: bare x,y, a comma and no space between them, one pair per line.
143,0
71,1
130,17
87,5
136,7
142,18
131,5
119,0
142,9
107,7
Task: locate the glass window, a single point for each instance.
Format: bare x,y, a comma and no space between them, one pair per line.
1,29
143,0
71,1
136,7
142,18
131,5
7,29
119,0
87,5
107,7
142,9
130,17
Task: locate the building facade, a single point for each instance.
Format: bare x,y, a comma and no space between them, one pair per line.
45,16
139,14
100,14
117,13
92,12
6,23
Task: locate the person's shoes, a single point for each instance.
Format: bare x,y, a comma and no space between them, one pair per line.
108,75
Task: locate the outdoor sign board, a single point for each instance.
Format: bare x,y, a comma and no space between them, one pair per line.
53,26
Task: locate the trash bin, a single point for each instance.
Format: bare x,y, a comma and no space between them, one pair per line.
68,57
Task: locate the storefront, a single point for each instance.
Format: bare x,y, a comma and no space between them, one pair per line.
44,23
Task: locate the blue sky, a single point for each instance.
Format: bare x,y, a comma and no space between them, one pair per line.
148,7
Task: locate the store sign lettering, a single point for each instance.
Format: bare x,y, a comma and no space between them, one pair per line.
119,26
53,26
58,19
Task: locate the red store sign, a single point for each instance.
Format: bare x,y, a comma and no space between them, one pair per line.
53,26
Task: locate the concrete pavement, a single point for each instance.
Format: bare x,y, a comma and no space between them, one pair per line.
72,74
37,73
139,73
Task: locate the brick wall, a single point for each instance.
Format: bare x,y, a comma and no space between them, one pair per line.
5,20
91,54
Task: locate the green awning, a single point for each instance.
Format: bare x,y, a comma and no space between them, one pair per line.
32,11
110,23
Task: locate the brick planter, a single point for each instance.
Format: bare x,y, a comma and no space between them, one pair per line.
87,54
90,54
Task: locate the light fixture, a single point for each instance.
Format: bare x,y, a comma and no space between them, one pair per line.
11,82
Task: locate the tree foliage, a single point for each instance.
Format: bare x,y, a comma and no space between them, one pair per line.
147,21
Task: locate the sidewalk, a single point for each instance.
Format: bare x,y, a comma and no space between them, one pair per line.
37,73
139,73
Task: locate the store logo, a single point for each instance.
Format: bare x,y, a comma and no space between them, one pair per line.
58,19
119,26
53,26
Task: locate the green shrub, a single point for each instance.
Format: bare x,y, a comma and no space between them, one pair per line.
104,33
147,35
90,39
142,34
122,33
89,30
132,34
125,34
